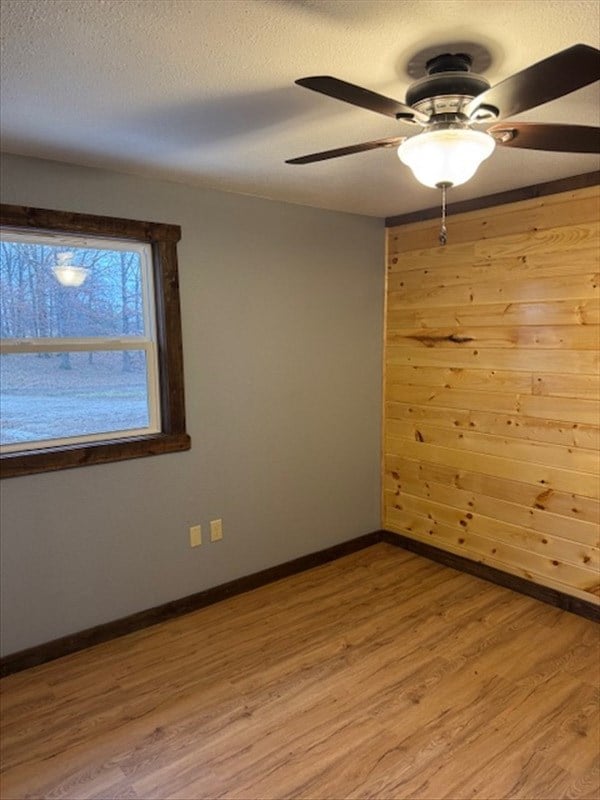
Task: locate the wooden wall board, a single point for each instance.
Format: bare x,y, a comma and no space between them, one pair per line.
500,466
568,409
583,387
580,286
411,273
577,459
527,239
454,378
567,504
550,312
540,520
518,359
517,426
467,522
565,409
492,551
557,337
558,209
491,417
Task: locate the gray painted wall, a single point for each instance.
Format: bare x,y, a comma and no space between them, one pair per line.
282,317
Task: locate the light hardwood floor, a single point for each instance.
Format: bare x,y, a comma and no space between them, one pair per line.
380,675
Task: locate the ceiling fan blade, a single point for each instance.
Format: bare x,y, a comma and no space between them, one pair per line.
346,151
560,138
547,80
364,98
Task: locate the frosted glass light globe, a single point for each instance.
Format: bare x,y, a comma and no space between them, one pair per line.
448,157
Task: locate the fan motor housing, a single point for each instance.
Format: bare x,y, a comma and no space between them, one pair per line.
465,85
448,85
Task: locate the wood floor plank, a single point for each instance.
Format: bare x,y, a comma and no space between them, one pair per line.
380,675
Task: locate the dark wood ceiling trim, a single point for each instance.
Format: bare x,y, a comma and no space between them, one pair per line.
500,198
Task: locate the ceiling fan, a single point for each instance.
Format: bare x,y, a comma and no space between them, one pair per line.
450,100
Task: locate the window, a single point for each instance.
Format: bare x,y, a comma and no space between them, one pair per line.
90,350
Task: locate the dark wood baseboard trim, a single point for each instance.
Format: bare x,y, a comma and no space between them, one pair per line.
40,654
561,600
500,198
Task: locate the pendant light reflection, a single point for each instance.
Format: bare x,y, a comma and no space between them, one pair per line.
446,157
68,274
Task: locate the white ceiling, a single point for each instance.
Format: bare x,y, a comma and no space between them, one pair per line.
202,91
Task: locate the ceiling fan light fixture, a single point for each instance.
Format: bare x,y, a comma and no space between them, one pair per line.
446,156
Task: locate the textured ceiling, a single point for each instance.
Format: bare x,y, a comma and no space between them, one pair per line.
202,91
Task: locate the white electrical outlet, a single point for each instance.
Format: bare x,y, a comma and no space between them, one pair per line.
216,530
195,536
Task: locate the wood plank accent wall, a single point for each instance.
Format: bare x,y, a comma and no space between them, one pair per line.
492,388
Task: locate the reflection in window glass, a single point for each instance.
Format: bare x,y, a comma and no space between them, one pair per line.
67,291
78,341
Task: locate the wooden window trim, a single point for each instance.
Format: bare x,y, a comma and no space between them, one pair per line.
173,437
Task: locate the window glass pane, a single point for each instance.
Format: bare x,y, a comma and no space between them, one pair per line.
59,395
59,291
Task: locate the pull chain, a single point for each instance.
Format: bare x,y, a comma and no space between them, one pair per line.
443,230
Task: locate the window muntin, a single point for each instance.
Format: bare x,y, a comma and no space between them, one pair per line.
151,341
